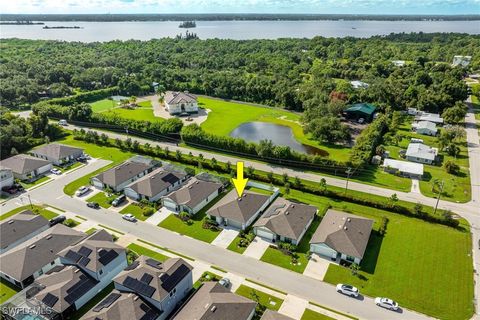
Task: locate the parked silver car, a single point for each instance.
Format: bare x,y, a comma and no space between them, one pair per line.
386,303
129,217
82,190
348,290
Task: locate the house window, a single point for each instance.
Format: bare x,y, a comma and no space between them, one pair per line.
40,272
100,271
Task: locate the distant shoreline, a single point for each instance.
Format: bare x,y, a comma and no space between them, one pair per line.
229,17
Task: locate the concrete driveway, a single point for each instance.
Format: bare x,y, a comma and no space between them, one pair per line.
225,237
159,216
317,267
257,248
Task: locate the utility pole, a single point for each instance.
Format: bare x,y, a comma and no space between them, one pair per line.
438,198
348,172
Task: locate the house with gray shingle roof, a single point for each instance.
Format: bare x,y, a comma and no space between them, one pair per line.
341,235
193,196
239,212
285,221
215,302
154,185
26,262
19,228
180,102
274,315
57,153
119,177
25,167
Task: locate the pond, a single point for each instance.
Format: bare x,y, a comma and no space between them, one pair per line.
278,134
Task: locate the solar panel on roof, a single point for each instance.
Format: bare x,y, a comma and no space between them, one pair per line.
132,266
145,289
150,313
84,261
177,276
153,263
50,299
170,178
108,257
80,288
146,278
72,255
102,252
84,251
107,302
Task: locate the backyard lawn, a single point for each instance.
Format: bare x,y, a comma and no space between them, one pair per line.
103,105
136,210
102,199
268,301
312,315
226,116
7,290
140,250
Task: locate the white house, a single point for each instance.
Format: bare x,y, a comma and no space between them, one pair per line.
356,84
341,236
25,167
6,177
431,117
405,168
180,102
462,61
193,196
425,127
419,152
398,63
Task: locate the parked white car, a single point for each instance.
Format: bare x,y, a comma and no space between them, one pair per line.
63,122
347,290
82,190
56,171
224,282
386,303
129,217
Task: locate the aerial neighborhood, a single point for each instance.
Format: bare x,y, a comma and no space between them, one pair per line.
309,178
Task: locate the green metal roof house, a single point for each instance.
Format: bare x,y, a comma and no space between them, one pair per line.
361,110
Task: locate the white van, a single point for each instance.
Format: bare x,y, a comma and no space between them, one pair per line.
63,122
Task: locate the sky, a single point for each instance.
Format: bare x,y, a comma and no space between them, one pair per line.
243,6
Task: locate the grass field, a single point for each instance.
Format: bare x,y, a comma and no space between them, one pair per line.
270,302
103,105
226,116
102,199
28,185
312,315
136,210
7,290
145,114
140,250
41,210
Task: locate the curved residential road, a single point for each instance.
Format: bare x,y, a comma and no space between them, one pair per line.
294,283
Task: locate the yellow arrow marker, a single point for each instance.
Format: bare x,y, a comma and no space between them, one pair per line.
240,183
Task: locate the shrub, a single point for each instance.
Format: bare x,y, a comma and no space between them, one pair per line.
184,216
148,212
383,226
70,223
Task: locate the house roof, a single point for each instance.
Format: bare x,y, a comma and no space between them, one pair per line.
215,302
420,150
359,84
426,125
57,151
153,279
239,209
344,232
156,182
19,226
274,315
94,252
22,261
122,306
193,192
404,166
286,218
22,163
63,286
173,97
366,108
124,172
432,117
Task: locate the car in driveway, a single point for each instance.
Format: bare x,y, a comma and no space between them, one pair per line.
55,171
93,205
82,190
57,220
119,200
224,282
348,290
386,303
129,217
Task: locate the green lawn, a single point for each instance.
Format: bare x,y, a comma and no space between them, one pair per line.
145,104
90,231
276,257
194,229
7,290
70,167
108,153
145,114
103,105
136,210
206,276
270,302
476,107
233,246
28,185
102,199
226,116
37,209
140,250
312,315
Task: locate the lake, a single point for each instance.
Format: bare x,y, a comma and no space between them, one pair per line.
279,135
239,30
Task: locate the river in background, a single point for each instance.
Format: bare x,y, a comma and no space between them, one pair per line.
239,30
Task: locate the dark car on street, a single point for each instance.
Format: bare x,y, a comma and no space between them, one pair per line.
93,205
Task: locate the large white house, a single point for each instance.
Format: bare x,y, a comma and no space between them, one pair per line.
180,102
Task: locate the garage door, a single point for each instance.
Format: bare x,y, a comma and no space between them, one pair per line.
131,193
264,234
323,250
170,205
234,224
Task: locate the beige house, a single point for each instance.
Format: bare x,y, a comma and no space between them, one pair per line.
180,102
